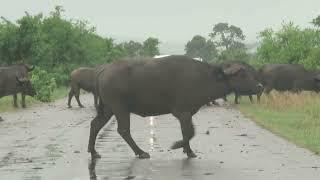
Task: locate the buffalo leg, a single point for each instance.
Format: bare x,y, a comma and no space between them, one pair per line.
95,99
71,94
236,98
123,119
259,96
251,99
225,98
77,94
15,104
23,100
187,130
103,116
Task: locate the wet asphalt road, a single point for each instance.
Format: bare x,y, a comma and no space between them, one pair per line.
50,141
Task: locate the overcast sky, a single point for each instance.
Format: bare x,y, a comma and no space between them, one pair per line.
174,22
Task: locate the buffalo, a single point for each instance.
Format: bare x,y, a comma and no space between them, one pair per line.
176,85
250,72
82,78
9,77
11,84
289,77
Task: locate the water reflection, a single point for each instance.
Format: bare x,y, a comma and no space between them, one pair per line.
152,169
92,168
152,133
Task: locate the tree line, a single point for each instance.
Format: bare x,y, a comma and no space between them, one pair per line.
291,44
56,45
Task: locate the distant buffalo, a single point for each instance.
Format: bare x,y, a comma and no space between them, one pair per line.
81,78
11,85
289,77
175,85
239,90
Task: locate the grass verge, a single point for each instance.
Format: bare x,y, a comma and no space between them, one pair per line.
295,117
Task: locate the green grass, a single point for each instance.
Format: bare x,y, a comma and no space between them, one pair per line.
6,103
294,117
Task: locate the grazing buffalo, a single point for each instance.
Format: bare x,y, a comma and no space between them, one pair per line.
175,85
250,71
289,77
21,71
81,78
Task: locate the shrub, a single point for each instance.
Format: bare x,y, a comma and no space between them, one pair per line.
44,83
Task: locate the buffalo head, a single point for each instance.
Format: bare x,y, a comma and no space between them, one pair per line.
241,79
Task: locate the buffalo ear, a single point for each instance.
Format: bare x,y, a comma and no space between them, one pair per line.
31,68
232,70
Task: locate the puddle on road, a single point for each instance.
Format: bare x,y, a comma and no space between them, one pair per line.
153,169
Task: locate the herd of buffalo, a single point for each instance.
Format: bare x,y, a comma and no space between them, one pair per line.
176,85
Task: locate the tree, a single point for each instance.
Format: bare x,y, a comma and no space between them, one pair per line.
200,47
150,47
291,44
316,21
132,48
229,41
226,36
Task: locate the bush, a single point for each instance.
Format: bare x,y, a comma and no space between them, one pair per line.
44,83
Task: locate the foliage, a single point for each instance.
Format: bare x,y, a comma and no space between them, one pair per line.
150,47
132,48
229,41
227,36
44,83
58,45
316,21
200,47
291,44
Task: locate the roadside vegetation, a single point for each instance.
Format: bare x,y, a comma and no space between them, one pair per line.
295,117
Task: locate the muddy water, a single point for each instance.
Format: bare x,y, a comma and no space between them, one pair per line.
50,142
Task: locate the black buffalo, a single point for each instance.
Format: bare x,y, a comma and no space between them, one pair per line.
81,78
11,84
250,71
289,77
175,85
10,73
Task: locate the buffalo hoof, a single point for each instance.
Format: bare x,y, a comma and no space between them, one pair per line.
95,155
177,145
144,155
23,106
1,119
69,107
191,155
81,106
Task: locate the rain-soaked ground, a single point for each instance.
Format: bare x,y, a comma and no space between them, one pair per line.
50,142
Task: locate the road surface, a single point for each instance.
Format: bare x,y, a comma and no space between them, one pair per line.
49,141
